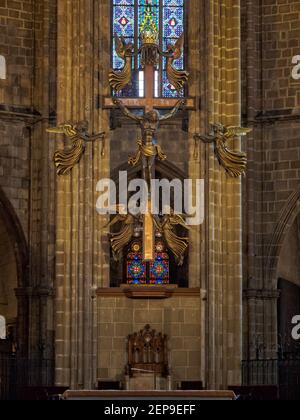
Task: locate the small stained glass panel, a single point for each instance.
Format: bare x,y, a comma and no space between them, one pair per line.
136,269
124,17
172,22
173,3
159,269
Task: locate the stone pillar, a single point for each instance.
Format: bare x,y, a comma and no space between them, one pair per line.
223,217
197,158
83,61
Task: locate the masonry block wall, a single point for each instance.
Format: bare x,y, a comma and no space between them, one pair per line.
16,45
178,317
271,105
27,104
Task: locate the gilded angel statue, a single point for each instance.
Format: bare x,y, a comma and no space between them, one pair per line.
234,162
177,78
65,160
120,79
122,238
167,226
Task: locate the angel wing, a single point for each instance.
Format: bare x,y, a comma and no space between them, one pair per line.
178,219
120,44
178,47
66,129
231,132
177,78
120,79
118,218
177,244
122,238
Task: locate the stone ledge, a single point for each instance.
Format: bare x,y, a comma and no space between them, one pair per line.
148,292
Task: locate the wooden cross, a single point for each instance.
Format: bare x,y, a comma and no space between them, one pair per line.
149,103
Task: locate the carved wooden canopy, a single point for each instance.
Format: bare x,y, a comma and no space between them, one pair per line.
147,352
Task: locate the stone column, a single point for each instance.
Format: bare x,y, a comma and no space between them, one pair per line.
223,216
198,156
83,57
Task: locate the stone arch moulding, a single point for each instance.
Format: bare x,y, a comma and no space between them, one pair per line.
286,219
167,170
2,67
17,238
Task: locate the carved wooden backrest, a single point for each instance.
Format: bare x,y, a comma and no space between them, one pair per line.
148,352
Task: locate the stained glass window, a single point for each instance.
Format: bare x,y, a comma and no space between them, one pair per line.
169,16
155,273
159,269
136,267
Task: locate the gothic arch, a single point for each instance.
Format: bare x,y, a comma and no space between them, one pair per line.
286,219
169,171
166,169
20,250
17,237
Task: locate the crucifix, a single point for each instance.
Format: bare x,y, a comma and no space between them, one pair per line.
148,149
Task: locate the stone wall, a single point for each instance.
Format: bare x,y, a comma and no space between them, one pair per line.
271,189
178,317
17,46
27,104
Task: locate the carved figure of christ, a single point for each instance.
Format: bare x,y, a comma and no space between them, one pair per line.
148,148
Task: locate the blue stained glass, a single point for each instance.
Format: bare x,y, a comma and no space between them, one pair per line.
174,3
124,2
136,269
173,22
159,269
124,21
154,7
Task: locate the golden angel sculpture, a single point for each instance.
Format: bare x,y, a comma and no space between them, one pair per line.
176,77
234,162
167,227
65,160
122,238
120,79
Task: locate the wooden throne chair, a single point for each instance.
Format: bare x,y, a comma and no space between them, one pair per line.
148,361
